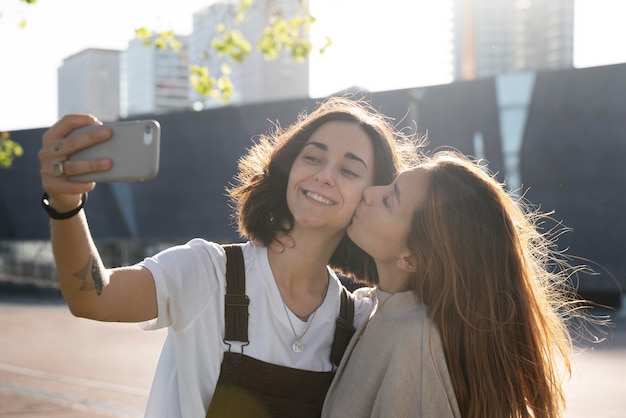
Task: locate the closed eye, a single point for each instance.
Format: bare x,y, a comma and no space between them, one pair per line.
311,159
349,173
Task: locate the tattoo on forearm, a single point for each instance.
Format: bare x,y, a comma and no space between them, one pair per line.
91,276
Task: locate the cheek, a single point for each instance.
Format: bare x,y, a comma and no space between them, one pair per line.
354,195
292,182
296,174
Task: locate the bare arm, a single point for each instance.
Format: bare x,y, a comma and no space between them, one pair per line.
126,294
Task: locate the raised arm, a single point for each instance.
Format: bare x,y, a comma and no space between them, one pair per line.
125,294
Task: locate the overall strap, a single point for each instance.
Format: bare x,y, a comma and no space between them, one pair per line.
344,327
236,301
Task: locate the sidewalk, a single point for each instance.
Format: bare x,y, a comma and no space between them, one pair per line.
26,405
54,365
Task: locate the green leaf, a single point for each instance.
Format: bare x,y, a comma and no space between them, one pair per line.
160,43
201,81
292,35
167,35
301,49
232,43
143,33
9,150
328,44
176,45
225,69
245,5
199,70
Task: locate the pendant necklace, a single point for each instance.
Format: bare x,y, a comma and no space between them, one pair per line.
297,345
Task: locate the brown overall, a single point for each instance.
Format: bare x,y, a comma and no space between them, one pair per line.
248,387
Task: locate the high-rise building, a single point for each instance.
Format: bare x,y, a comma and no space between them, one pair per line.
256,79
153,80
499,36
88,82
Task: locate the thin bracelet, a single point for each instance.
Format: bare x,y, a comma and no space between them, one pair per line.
45,202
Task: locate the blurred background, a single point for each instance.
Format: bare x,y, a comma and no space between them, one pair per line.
536,88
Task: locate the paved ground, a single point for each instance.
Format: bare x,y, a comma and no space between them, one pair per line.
597,388
53,365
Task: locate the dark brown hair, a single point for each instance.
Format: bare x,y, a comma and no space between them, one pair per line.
259,196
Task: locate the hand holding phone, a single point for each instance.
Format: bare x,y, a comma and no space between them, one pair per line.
134,149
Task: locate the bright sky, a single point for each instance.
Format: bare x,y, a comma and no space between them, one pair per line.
368,48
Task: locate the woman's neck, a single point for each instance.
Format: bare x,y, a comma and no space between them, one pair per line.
306,260
312,250
391,279
301,273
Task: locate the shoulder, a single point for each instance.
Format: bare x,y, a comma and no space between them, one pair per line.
254,257
202,248
252,251
196,258
364,293
362,301
363,304
196,246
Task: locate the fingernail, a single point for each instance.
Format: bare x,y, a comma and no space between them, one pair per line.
103,133
103,163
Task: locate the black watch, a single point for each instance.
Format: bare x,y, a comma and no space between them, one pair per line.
45,202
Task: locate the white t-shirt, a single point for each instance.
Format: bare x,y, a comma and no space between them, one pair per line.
190,286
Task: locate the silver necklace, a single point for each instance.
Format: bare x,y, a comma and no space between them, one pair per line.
297,345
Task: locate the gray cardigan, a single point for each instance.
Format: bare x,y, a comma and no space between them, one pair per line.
394,365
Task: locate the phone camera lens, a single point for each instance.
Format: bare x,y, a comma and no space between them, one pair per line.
147,129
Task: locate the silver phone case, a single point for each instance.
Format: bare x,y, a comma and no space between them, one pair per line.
134,149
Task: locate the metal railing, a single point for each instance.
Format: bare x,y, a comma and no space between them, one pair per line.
32,262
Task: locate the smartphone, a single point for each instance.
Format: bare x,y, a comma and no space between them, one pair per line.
134,149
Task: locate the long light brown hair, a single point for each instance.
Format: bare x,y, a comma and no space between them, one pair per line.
490,281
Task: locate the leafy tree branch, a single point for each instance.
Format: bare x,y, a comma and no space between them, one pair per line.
281,33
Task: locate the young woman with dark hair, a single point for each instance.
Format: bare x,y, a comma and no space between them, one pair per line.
308,180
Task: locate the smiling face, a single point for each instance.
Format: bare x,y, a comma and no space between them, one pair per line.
327,179
381,223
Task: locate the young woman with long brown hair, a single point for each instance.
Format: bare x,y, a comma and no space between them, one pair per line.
471,302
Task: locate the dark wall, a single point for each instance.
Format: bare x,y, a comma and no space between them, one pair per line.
453,113
572,161
22,216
